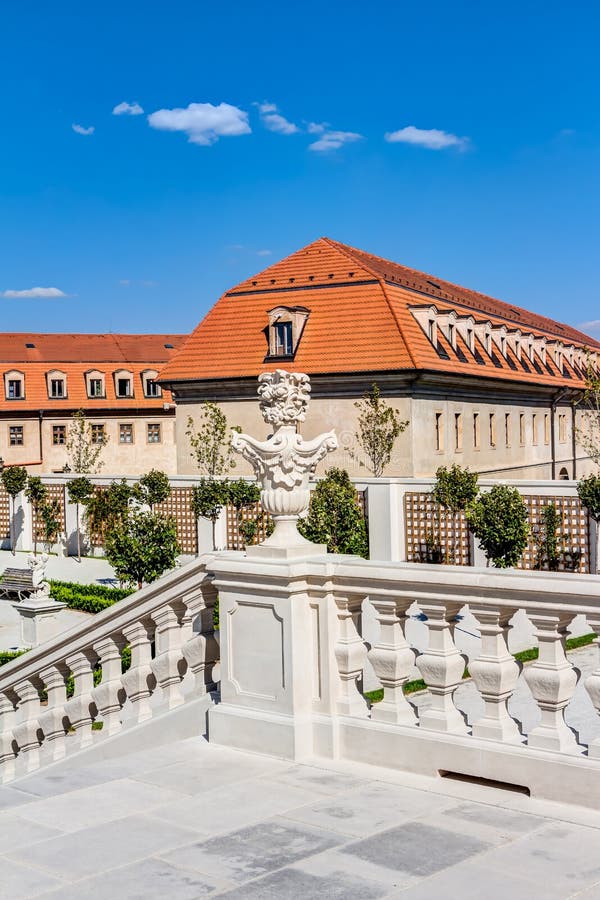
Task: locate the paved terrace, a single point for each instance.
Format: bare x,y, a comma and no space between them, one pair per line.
193,820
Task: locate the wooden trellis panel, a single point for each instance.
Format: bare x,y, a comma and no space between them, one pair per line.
433,534
4,515
573,534
55,492
96,537
247,513
178,505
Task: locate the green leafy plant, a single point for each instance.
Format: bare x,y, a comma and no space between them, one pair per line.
51,522
210,441
154,487
589,432
142,547
90,598
588,490
80,490
454,489
546,538
379,426
84,447
499,521
14,479
209,497
242,494
335,517
37,493
108,507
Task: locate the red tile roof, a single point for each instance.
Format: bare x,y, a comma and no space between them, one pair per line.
360,321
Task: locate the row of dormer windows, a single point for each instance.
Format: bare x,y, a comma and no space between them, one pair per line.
524,346
95,383
534,429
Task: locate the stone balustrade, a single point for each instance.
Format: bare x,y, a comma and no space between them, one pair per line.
168,628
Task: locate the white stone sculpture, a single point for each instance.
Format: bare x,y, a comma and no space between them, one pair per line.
284,462
38,565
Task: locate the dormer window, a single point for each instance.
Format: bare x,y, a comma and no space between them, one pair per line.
123,384
430,329
286,325
151,388
57,385
14,386
94,382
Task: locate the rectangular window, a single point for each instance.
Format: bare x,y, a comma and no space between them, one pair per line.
15,435
430,330
126,434
451,337
439,431
59,434
15,389
492,429
154,434
98,434
476,431
152,388
507,429
534,428
562,428
96,388
123,387
458,431
546,429
57,388
521,429
283,339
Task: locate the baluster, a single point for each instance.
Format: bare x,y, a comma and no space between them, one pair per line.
7,740
592,686
27,729
169,665
139,680
81,708
53,721
552,681
495,673
350,655
109,695
392,659
201,651
442,668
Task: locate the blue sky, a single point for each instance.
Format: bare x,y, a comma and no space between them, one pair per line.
488,176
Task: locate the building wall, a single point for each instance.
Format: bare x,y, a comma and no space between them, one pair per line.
120,458
416,452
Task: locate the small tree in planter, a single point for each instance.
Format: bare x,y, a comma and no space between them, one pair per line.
379,426
454,490
208,499
80,490
14,480
499,521
241,495
50,516
109,507
335,517
142,547
154,487
37,494
588,490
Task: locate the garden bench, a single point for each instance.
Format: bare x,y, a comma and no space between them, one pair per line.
17,581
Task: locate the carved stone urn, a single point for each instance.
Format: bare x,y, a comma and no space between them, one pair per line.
284,462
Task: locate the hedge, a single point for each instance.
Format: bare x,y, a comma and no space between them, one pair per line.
90,598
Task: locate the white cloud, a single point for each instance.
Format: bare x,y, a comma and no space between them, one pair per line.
125,281
594,325
81,130
317,127
127,109
202,122
432,138
263,252
274,121
44,293
332,140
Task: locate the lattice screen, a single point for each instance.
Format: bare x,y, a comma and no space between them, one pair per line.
573,534
178,505
55,492
433,534
4,515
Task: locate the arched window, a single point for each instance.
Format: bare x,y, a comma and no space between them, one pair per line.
563,474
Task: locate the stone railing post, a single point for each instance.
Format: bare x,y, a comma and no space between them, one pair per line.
201,650
81,708
139,680
495,673
109,696
26,731
392,659
350,655
53,721
552,681
592,685
442,668
169,665
7,739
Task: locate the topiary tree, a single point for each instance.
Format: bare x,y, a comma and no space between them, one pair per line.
499,521
37,494
546,538
14,479
242,494
454,489
154,487
108,507
379,426
335,517
50,517
84,448
588,490
80,491
142,547
209,497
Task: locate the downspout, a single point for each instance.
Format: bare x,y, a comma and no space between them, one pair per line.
574,439
41,416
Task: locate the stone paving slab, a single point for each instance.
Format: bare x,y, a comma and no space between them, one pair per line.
271,829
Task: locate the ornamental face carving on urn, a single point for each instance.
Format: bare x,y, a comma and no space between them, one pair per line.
284,462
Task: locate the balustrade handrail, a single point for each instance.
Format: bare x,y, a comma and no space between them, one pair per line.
171,587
